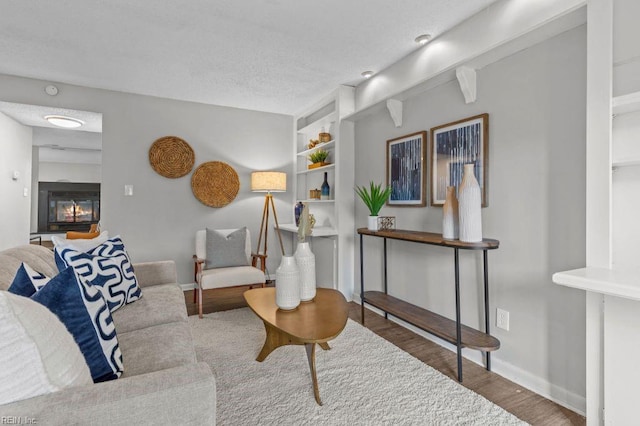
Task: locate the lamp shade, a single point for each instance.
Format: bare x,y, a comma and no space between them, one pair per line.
268,181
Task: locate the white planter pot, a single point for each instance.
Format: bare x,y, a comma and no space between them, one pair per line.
450,215
470,207
372,224
306,261
288,284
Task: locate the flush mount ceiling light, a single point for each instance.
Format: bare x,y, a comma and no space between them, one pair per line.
423,39
367,74
63,121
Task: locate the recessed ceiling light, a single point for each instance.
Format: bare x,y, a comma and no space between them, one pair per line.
367,74
62,121
423,39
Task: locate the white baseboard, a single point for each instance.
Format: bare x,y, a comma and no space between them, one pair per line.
539,385
188,286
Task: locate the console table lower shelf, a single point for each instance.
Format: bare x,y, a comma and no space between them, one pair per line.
431,322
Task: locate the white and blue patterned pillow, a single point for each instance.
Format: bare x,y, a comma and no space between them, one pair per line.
27,281
83,310
107,267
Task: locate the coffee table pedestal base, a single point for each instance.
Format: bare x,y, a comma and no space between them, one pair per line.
276,338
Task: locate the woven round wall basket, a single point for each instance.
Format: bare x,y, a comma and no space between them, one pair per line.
215,184
171,157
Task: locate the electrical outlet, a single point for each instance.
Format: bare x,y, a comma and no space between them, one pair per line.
502,319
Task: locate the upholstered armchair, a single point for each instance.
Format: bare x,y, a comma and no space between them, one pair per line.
223,259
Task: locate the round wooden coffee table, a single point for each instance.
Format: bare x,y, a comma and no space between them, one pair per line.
318,321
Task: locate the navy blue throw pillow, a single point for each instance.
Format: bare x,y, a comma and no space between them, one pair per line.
27,281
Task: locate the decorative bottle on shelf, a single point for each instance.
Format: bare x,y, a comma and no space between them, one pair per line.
450,215
470,207
324,195
297,210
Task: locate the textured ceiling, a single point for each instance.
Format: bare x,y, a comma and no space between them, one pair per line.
270,55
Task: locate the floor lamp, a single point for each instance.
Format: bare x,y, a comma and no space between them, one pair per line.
268,182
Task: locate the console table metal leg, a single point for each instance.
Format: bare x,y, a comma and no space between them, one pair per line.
386,316
361,282
458,327
486,303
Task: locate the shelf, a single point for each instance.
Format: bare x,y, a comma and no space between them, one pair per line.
323,145
431,238
316,231
626,103
304,172
315,126
626,162
317,201
623,283
431,322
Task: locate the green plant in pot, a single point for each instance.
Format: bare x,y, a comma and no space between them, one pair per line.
374,198
318,157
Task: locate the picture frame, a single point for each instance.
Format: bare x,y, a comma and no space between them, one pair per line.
452,146
406,170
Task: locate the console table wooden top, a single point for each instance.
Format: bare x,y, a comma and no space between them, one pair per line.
431,238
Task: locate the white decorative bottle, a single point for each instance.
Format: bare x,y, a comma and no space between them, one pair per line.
288,284
450,215
306,261
470,207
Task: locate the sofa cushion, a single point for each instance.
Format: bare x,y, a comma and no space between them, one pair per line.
82,309
157,348
107,267
27,281
37,353
161,304
38,257
83,244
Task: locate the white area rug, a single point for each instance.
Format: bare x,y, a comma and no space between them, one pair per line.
363,380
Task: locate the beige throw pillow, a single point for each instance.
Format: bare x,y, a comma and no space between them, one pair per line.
37,353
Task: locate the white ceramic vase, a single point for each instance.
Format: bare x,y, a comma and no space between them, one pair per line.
288,284
450,215
372,224
470,207
306,261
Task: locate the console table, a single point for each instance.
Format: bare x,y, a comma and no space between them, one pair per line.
451,331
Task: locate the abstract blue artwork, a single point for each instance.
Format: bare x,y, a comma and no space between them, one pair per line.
405,170
452,146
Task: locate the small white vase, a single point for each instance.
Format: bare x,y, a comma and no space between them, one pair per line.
470,207
288,284
372,224
450,215
306,261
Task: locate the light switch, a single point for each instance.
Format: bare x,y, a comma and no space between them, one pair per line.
15,175
128,190
25,191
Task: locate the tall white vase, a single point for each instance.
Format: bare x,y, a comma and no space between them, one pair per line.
288,284
470,207
306,261
450,215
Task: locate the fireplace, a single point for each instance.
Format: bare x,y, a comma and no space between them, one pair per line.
64,206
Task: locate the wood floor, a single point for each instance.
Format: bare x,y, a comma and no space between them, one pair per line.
519,401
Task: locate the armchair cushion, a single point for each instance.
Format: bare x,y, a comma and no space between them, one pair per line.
225,251
232,276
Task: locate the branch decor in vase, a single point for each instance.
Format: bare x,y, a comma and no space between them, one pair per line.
318,158
374,198
305,258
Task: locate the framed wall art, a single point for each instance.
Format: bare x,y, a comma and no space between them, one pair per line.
452,146
406,173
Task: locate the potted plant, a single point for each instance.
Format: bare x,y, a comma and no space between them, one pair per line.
318,158
374,198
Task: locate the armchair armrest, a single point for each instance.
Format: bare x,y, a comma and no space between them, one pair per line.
198,264
154,273
161,397
255,257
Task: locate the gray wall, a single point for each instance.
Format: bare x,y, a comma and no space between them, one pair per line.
15,208
536,105
160,220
